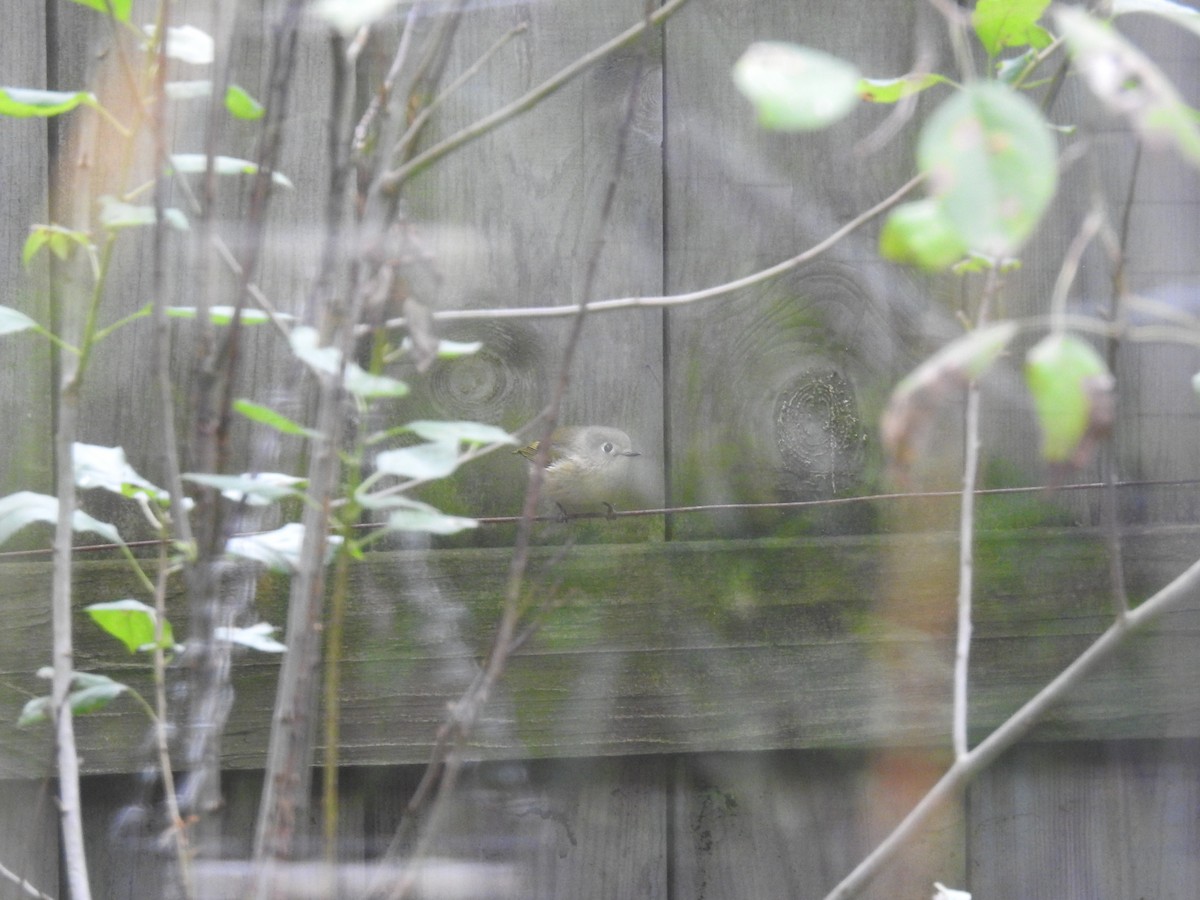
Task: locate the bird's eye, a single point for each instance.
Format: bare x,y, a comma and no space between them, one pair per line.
607,447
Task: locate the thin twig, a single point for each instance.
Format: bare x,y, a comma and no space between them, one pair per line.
670,300
1088,229
469,707
470,72
179,832
966,570
24,885
392,181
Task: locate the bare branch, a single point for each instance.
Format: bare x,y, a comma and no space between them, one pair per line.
1014,728
392,181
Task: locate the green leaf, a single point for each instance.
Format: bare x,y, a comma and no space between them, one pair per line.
59,239
264,415
475,433
26,508
12,321
1072,395
241,105
891,90
1010,23
116,214
918,234
992,165
1126,81
28,103
132,623
93,692
118,9
195,163
107,469
796,88
436,459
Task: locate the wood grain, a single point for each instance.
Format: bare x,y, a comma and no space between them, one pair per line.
793,824
25,375
514,219
1085,820
692,646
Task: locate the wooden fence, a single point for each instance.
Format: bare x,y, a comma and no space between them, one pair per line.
733,703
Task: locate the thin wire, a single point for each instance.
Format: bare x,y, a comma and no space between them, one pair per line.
783,505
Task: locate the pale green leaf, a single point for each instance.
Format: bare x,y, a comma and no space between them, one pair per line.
1129,83
195,163
256,637
1072,395
264,415
253,489
106,468
992,164
796,88
12,321
918,234
436,459
26,508
279,550
116,214
475,433
365,385
429,522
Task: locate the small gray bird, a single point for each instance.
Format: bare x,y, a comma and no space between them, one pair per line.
588,467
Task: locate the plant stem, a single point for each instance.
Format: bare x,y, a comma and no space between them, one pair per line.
178,828
966,571
70,809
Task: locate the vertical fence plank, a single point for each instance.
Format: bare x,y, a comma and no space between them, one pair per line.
1088,820
29,837
774,390
793,825
25,374
514,220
